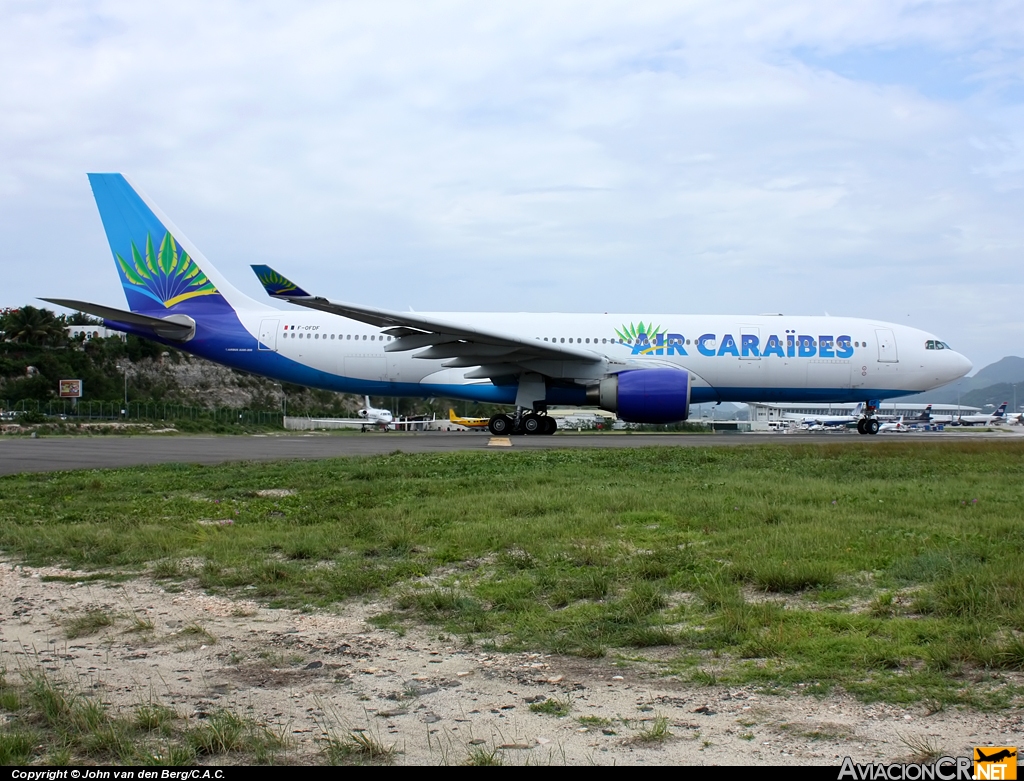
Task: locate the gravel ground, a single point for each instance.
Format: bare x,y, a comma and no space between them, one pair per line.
315,673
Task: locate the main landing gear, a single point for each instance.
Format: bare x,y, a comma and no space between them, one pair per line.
522,423
869,423
867,426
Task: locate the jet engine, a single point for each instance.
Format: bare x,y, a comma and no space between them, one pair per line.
644,395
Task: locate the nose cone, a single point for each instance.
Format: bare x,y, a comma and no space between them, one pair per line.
965,365
959,366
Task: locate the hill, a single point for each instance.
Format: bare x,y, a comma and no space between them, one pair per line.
36,353
994,381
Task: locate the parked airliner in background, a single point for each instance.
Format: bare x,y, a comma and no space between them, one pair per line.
983,419
920,420
375,417
647,369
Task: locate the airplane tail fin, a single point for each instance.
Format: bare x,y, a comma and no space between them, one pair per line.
367,398
161,271
1002,410
451,415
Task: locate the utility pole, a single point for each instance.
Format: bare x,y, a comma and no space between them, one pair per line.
124,368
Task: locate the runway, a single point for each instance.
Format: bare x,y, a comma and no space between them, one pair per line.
53,454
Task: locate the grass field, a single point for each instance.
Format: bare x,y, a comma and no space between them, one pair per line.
891,570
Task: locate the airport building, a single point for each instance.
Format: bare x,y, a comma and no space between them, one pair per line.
768,413
90,331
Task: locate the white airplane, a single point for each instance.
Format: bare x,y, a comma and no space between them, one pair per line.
375,417
834,421
984,418
894,426
646,369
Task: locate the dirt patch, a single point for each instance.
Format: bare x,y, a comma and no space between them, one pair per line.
304,673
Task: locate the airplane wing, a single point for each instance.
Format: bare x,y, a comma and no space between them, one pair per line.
492,353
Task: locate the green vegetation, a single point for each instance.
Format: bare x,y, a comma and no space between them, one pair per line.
51,722
88,623
36,353
478,756
923,749
357,747
655,731
890,569
36,337
552,706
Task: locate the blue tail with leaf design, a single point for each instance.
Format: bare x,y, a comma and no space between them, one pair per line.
161,272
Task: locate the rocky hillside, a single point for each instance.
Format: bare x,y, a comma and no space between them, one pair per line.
154,373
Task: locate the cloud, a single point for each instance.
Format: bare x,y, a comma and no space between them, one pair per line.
674,157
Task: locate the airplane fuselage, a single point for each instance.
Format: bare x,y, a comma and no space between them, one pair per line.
733,358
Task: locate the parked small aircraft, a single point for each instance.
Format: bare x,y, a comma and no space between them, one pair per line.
894,426
375,417
467,422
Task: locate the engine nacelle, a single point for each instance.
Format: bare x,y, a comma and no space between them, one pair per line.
644,395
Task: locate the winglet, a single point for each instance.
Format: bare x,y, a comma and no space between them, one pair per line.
277,285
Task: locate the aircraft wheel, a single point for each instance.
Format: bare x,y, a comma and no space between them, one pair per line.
500,425
550,426
871,426
533,424
860,426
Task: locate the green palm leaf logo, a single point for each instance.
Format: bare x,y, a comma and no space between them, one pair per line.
639,332
275,284
632,332
167,275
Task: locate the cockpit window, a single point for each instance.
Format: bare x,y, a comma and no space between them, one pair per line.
935,344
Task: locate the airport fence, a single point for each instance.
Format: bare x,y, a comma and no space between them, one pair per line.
138,410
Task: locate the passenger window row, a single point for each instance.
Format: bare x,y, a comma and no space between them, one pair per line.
340,337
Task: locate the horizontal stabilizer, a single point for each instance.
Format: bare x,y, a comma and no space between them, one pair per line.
181,328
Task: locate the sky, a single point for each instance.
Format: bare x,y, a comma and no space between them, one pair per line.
860,159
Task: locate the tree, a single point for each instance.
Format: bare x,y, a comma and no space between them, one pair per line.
81,318
30,325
